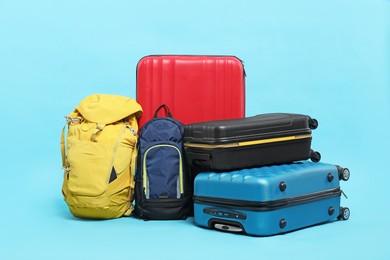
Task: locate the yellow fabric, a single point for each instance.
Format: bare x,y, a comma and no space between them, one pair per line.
104,109
93,149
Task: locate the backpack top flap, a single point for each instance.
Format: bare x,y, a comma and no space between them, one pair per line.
106,108
162,129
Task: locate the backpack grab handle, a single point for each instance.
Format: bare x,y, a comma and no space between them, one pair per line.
166,109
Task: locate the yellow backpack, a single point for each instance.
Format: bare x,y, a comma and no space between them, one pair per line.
98,156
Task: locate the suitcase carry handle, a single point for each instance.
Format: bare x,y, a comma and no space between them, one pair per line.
226,225
166,110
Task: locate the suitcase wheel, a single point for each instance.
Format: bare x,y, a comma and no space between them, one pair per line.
313,123
344,213
315,156
345,173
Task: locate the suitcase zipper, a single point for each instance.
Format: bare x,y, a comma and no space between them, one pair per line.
267,205
248,143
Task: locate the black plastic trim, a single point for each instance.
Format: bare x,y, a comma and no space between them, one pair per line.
224,213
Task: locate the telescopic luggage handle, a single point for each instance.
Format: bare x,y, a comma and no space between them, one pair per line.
166,110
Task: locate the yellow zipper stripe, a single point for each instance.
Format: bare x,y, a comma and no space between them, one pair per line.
247,143
274,140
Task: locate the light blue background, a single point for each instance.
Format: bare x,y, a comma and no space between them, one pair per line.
329,59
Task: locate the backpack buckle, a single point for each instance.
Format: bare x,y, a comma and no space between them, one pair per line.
73,120
98,129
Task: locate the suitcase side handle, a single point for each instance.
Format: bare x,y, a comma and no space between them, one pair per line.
226,225
198,159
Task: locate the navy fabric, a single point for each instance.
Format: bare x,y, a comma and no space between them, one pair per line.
113,175
162,129
160,157
162,167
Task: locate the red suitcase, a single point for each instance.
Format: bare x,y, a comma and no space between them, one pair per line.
195,87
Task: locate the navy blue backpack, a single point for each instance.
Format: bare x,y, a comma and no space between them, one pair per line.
162,185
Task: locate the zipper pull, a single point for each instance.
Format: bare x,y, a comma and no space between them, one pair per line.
130,127
133,131
342,192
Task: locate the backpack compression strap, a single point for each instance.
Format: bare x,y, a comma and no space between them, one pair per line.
62,144
132,169
69,121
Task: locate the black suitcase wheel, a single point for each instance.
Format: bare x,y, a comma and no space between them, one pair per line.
345,174
344,213
313,123
315,156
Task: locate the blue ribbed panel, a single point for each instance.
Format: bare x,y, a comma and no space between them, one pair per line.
262,184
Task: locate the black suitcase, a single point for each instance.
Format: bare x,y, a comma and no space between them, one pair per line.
264,139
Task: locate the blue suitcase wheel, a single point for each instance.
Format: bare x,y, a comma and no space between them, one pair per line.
344,213
345,174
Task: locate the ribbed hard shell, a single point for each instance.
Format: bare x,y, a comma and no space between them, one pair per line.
262,184
196,88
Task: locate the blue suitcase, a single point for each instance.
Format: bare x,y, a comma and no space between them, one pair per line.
270,200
